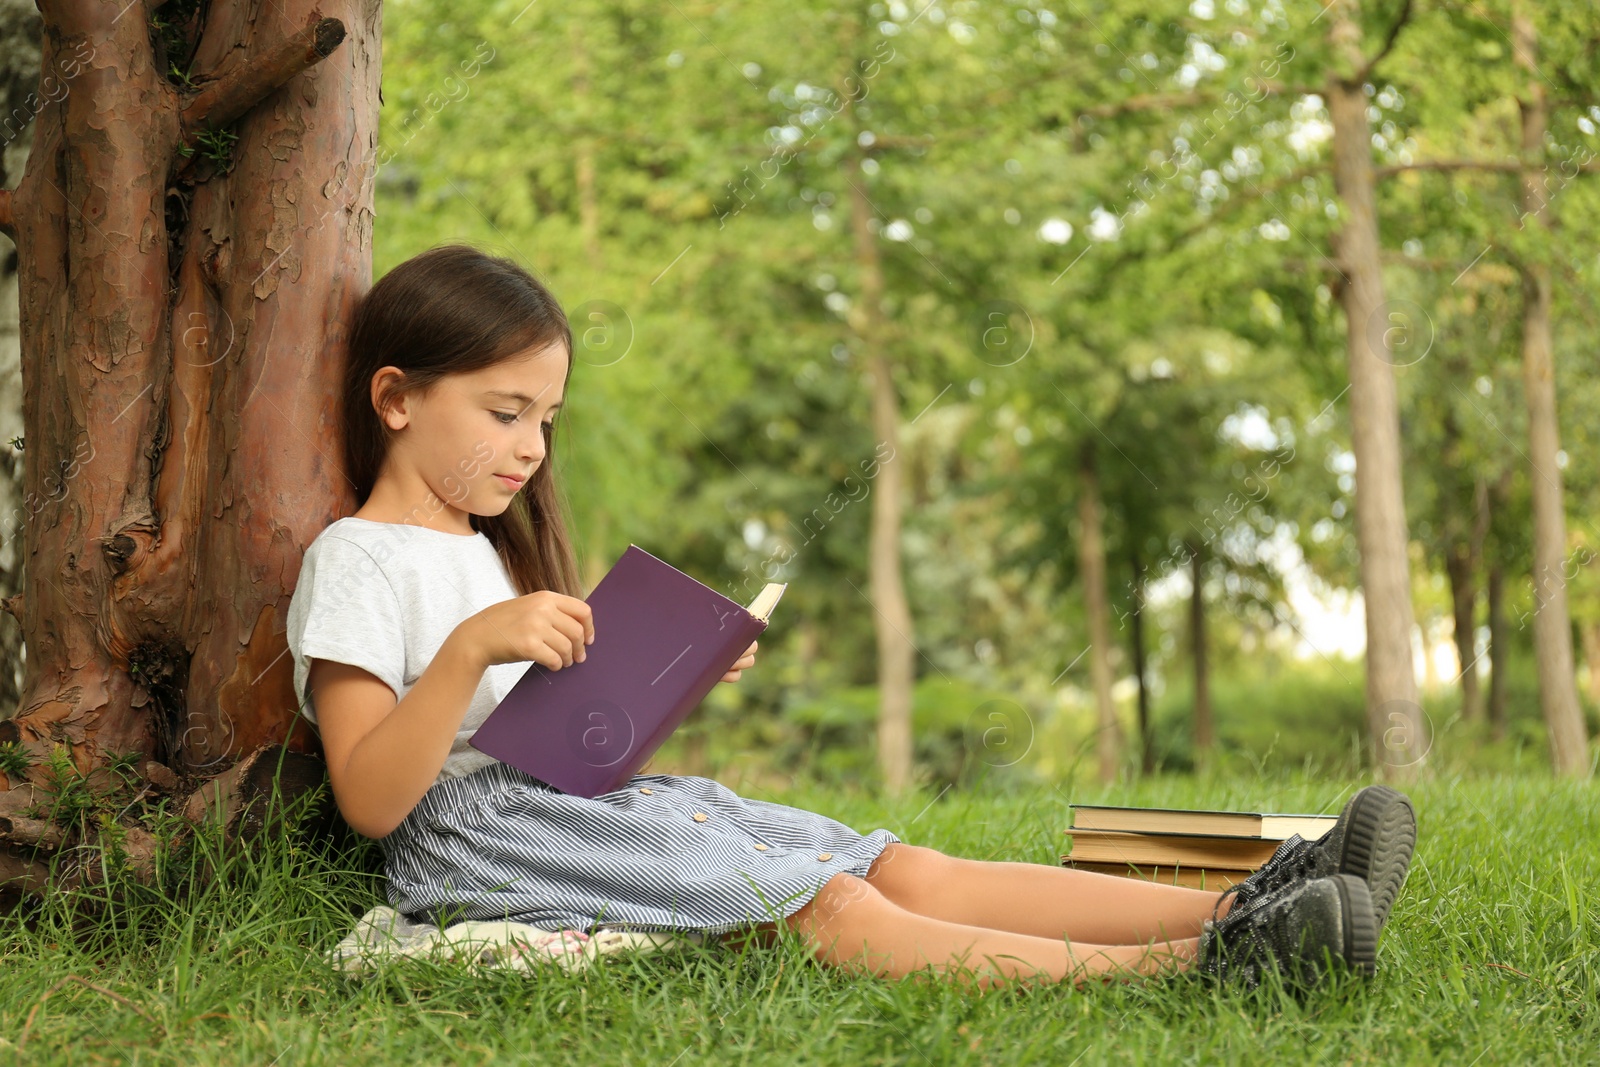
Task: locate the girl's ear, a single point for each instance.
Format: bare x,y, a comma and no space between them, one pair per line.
387,400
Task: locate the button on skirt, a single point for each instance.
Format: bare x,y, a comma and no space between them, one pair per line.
664,852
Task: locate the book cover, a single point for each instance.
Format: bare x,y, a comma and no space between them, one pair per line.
1198,821
662,640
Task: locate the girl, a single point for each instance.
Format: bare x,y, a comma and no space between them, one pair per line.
414,616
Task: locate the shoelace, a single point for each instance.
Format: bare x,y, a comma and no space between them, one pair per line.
1291,860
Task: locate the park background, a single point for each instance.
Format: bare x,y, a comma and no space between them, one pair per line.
1102,244
1084,261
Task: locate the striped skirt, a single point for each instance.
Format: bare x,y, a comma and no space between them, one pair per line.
664,852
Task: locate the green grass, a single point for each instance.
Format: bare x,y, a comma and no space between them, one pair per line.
1490,957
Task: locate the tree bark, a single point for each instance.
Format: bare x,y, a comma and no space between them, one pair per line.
891,611
586,181
1147,748
1552,626
183,322
1499,651
583,151
1466,602
1092,566
1394,716
1463,602
1204,741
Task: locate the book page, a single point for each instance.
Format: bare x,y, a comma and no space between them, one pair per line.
761,607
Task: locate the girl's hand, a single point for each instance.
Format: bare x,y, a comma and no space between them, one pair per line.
548,628
746,661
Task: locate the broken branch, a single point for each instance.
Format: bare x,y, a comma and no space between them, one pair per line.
243,88
25,831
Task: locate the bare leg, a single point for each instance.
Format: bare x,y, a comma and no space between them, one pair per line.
851,925
1040,900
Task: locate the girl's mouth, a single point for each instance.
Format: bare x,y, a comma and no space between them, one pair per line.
510,482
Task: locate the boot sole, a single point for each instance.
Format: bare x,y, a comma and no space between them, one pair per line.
1379,839
1360,925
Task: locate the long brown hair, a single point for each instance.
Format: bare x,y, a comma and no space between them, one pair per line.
451,310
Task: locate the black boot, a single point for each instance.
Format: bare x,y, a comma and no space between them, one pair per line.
1373,840
1295,931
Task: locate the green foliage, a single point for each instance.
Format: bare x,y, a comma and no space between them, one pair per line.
14,760
961,732
173,30
125,765
71,797
1308,714
213,145
74,800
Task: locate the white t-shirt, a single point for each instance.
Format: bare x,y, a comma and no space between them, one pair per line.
383,596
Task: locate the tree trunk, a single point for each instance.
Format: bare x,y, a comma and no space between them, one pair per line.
19,77
1552,628
1499,651
891,613
1394,717
583,150
1147,748
595,562
1092,566
1203,739
1463,603
183,312
1462,563
806,648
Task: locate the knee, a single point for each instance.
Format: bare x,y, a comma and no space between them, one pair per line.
844,907
906,873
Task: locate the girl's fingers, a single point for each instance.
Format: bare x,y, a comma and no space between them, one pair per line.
746,660
573,630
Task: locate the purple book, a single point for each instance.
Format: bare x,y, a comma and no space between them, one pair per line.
662,640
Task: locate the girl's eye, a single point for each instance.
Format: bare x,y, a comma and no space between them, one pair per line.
507,418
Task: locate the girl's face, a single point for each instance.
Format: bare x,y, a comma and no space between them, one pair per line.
469,444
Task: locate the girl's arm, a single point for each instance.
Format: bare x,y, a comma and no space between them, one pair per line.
382,754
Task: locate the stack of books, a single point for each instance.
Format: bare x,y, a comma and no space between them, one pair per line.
1181,846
